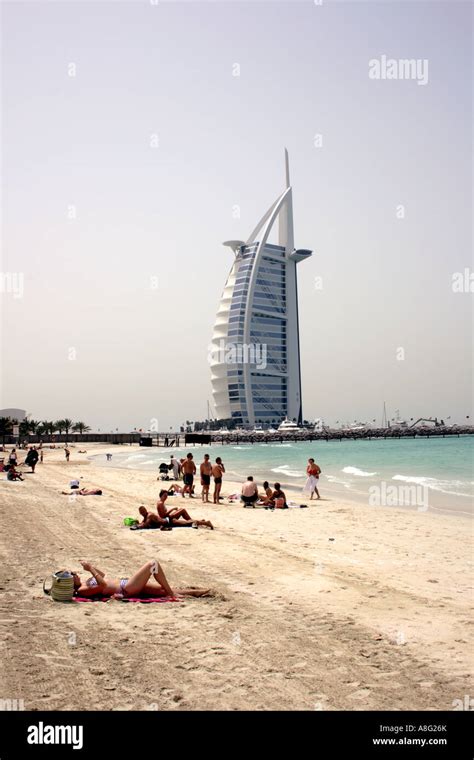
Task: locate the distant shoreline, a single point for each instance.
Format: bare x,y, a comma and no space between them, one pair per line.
336,435
176,439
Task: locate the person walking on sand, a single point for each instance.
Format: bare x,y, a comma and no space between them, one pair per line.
13,458
189,471
311,486
217,470
32,458
67,453
206,472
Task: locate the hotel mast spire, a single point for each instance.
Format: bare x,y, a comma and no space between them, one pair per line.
287,168
285,222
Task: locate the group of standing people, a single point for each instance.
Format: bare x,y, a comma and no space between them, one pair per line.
33,456
250,495
31,460
187,467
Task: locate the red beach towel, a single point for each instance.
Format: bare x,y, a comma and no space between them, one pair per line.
145,599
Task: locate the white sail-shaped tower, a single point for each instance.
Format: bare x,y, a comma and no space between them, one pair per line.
255,353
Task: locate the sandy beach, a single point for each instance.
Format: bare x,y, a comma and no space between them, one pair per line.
336,607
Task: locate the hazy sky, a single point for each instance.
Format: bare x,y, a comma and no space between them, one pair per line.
121,182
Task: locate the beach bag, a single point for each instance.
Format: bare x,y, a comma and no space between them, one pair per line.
280,503
62,586
130,521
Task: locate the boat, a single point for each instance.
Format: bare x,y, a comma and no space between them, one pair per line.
288,426
355,427
398,421
258,429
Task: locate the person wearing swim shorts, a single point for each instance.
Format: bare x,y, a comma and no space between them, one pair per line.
150,520
189,470
177,517
249,493
217,470
206,472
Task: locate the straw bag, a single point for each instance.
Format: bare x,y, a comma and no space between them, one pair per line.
62,586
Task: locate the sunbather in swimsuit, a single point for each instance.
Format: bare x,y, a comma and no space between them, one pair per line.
137,585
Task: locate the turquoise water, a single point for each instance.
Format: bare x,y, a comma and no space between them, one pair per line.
444,466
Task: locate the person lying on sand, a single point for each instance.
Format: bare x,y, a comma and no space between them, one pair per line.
178,517
101,584
84,492
150,521
174,488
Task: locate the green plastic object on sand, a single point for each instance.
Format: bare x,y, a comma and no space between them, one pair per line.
130,521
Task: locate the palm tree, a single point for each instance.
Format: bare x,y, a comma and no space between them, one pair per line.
67,425
28,426
48,426
59,426
23,427
32,426
81,427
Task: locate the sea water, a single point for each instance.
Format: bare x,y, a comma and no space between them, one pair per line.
443,468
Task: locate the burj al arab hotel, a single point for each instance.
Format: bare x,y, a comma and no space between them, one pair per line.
255,350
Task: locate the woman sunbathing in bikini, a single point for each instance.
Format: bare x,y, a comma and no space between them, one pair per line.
100,584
